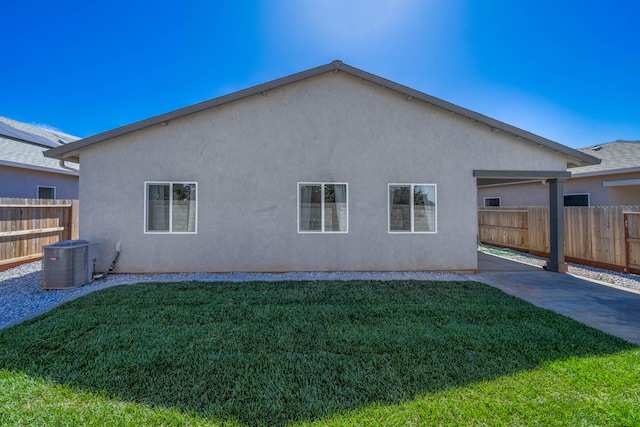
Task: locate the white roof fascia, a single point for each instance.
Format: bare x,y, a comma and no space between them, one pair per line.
606,172
621,182
38,168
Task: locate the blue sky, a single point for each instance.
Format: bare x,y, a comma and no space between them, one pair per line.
565,70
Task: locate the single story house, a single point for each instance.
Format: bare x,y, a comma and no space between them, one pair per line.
25,172
613,182
329,169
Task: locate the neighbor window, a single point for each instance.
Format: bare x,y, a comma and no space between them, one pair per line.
576,199
170,207
491,201
46,192
412,208
322,207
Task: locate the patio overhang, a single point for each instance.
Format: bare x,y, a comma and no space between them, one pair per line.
556,181
499,177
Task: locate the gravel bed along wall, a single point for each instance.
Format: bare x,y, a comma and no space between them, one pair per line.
22,296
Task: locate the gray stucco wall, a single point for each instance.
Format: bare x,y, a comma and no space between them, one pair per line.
248,157
537,193
23,183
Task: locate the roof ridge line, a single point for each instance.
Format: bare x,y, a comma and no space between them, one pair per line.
70,151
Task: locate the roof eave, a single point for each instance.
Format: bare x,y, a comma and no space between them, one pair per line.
606,172
39,168
71,151
74,147
578,158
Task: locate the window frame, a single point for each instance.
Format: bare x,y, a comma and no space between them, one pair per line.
484,202
146,212
45,186
412,186
322,208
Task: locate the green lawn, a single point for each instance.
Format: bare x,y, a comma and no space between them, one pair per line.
325,353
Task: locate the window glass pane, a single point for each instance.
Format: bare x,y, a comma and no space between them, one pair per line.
424,208
310,207
576,200
184,208
158,204
335,207
492,201
46,193
399,208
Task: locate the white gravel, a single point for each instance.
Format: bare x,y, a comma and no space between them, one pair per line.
22,296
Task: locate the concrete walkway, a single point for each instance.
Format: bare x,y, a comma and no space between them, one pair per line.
612,310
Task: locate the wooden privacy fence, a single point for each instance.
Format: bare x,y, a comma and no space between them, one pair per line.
26,225
607,237
632,239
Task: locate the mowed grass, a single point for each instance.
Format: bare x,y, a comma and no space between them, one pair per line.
325,353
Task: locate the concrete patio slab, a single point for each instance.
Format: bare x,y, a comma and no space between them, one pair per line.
612,310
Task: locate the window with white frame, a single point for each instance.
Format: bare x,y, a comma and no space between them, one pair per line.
171,207
45,192
322,207
412,208
491,201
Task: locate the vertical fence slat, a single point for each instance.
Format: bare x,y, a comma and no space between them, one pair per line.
4,249
75,219
615,238
632,240
569,244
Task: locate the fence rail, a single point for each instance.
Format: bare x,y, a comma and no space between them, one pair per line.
26,225
607,237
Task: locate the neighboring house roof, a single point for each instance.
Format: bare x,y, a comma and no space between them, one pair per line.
22,146
617,157
52,135
574,157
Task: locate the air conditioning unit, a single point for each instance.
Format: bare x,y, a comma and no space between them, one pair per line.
68,264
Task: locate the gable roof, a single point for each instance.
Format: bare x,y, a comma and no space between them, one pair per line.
71,151
22,146
617,157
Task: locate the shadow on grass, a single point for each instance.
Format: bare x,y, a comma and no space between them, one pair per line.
276,353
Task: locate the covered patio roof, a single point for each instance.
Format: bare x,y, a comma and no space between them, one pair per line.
556,180
496,177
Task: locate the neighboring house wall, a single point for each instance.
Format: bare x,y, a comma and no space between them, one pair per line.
247,158
529,194
624,196
23,183
615,181
537,193
23,166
